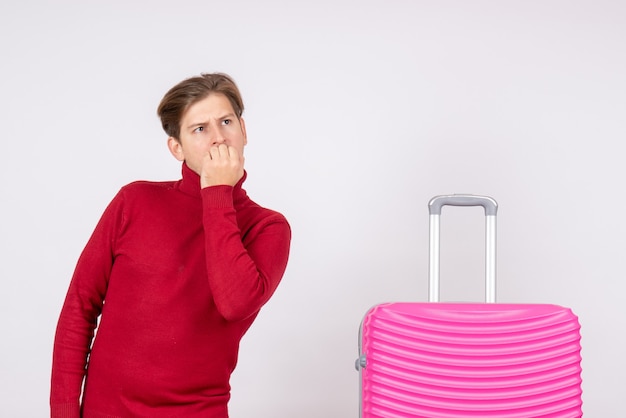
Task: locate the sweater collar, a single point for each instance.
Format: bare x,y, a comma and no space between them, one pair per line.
190,184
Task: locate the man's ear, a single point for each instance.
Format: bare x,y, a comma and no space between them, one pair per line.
176,148
243,130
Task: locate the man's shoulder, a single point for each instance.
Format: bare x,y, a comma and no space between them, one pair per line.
147,185
144,189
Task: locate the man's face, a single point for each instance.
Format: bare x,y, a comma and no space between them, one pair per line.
208,122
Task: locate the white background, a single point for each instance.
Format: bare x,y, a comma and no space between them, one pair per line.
358,112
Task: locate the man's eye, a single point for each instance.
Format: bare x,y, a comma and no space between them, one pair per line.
199,129
226,121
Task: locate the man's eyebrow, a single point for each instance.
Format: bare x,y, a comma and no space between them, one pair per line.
229,115
196,124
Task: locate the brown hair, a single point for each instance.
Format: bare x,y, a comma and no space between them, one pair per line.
178,99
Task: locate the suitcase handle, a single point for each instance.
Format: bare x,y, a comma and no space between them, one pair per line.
491,209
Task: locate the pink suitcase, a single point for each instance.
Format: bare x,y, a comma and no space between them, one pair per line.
457,360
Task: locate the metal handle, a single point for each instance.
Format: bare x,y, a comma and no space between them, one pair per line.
491,210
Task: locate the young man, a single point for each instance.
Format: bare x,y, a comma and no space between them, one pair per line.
176,271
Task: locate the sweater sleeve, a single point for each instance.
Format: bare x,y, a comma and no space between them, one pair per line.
243,271
78,318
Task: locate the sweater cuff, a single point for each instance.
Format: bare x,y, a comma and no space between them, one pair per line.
218,196
65,410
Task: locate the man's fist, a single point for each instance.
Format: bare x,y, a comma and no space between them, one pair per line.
223,165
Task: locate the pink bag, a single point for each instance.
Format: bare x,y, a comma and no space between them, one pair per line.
457,360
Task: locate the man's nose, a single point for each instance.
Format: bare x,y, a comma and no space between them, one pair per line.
218,138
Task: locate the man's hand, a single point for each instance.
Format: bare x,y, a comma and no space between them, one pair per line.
223,165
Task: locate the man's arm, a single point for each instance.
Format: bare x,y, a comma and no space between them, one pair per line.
243,273
78,318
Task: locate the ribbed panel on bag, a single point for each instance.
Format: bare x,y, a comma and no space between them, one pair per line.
443,360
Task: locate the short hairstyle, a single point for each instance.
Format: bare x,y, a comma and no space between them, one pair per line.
191,90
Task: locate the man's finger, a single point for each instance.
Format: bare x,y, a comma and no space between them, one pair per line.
216,151
233,153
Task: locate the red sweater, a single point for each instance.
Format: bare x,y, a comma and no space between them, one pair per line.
177,275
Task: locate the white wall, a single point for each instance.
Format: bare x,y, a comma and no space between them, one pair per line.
358,112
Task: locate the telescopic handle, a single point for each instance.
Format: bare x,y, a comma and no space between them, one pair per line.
491,209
